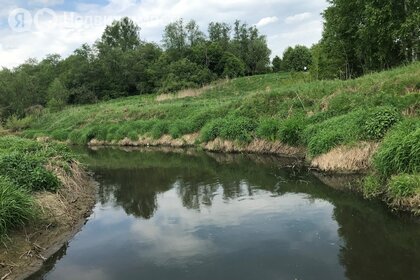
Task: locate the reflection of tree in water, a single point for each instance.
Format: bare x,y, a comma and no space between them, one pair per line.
135,189
377,245
197,180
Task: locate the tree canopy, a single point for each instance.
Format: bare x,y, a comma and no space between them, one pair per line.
121,64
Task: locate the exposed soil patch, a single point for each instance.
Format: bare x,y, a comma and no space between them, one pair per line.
62,216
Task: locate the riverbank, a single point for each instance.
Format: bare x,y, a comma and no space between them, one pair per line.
368,125
353,160
59,195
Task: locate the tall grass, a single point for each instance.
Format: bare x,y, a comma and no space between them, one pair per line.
400,150
16,206
23,171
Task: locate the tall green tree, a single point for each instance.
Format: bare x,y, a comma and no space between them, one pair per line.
123,34
277,64
298,58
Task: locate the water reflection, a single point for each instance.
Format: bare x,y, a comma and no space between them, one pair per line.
198,216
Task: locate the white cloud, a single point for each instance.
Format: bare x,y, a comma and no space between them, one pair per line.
267,20
47,2
297,18
153,15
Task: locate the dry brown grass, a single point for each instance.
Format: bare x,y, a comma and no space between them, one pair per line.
255,146
346,159
409,204
192,92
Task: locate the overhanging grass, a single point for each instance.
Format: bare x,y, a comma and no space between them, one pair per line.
16,206
23,171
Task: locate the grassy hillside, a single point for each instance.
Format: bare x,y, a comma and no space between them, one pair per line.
290,108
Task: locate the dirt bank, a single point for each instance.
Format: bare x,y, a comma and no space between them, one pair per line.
62,215
343,159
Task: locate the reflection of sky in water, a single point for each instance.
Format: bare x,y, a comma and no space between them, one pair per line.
258,236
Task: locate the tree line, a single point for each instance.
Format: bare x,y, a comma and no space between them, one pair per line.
359,37
121,64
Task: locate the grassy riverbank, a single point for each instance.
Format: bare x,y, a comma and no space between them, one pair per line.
318,116
44,194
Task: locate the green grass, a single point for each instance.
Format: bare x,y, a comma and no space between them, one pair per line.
23,171
404,185
285,107
16,206
291,108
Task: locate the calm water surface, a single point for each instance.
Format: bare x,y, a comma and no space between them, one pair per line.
189,215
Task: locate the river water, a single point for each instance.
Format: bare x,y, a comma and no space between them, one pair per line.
193,215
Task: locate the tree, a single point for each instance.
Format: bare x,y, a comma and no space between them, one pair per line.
57,95
233,66
298,58
251,47
194,35
369,35
276,64
220,33
175,39
123,34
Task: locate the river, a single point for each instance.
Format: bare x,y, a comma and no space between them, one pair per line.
193,215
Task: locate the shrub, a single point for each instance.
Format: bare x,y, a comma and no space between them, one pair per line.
372,187
16,206
238,128
268,129
28,171
291,130
400,150
232,66
15,124
404,185
379,122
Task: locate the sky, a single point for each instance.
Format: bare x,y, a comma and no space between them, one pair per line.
35,28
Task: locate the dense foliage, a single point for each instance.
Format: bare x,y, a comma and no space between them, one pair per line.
367,35
121,64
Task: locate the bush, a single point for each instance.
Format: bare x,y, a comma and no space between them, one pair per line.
400,150
28,171
238,128
404,185
16,206
15,124
291,130
268,129
233,66
379,122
